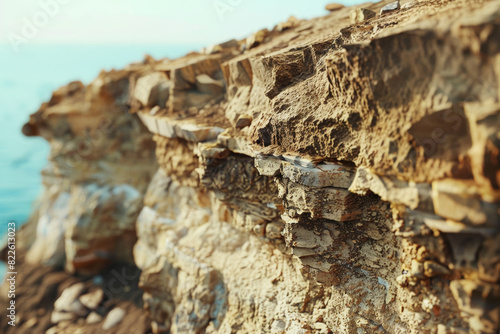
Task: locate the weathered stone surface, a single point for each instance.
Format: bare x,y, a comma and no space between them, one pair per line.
330,203
92,299
292,22
171,128
324,176
415,196
101,158
460,201
113,318
319,176
88,246
390,7
68,301
361,14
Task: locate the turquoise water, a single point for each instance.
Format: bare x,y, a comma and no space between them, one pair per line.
26,80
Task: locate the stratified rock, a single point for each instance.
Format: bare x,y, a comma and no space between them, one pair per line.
149,90
288,24
58,317
338,174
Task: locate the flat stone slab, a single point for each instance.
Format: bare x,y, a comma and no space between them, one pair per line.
413,195
270,166
169,128
320,176
236,144
323,175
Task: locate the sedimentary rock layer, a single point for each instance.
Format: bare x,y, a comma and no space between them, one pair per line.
337,175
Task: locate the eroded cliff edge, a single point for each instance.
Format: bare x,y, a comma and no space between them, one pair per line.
333,175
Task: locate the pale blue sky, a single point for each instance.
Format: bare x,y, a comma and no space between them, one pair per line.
147,21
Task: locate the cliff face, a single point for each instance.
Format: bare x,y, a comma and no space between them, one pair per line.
101,161
333,175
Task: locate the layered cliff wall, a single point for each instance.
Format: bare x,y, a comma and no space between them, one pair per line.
337,175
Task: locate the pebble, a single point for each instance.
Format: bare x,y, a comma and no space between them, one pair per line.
92,299
68,301
52,330
113,318
57,316
93,318
30,323
278,326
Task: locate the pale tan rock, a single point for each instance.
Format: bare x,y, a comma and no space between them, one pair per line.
114,317
169,128
92,299
269,166
147,89
58,316
415,196
256,38
323,175
48,247
335,204
68,301
93,318
288,24
206,84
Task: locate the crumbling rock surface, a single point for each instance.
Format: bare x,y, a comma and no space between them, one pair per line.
337,175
